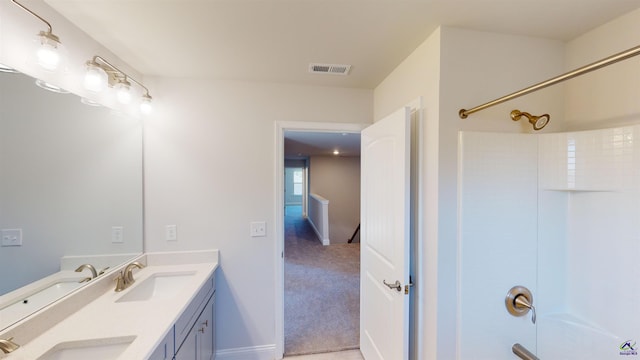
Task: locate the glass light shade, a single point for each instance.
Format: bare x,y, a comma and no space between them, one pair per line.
89,102
145,105
123,91
49,52
95,78
50,87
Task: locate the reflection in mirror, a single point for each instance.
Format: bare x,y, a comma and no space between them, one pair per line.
70,194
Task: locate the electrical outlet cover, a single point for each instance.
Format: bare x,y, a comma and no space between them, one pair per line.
11,237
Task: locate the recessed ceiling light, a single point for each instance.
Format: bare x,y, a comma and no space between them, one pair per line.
336,152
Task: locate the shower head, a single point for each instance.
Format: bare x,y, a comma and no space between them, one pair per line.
538,122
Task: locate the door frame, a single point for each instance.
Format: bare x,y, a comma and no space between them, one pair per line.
281,127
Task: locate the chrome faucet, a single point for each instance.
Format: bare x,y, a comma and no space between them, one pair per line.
94,273
8,345
125,279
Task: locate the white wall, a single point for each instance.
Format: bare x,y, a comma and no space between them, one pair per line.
337,179
607,97
210,169
453,69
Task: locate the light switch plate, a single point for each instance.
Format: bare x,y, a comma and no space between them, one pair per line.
11,237
258,229
171,232
117,236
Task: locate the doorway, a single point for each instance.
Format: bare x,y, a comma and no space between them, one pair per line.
312,276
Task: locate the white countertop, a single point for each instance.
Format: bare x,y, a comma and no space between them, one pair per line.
149,321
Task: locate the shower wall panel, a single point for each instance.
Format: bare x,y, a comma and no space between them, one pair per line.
590,307
560,214
497,242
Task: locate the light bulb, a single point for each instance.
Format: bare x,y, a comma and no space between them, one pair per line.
123,91
145,105
48,53
95,78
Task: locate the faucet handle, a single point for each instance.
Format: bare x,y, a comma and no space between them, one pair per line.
8,346
120,282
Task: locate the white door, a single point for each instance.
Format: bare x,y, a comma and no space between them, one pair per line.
385,235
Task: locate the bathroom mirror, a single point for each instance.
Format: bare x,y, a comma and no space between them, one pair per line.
70,188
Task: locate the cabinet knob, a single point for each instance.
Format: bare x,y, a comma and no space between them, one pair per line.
206,323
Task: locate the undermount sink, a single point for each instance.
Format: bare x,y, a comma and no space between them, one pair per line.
157,286
37,299
94,349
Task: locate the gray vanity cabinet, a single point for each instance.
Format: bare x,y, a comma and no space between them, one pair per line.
165,350
193,335
200,343
205,332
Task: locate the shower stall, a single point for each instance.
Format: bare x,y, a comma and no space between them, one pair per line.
557,215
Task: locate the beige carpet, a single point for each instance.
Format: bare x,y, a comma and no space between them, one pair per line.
322,291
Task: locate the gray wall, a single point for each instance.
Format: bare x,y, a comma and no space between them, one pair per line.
338,180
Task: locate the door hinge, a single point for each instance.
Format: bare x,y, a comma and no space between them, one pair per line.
406,287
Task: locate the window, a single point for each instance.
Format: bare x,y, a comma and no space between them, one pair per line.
297,182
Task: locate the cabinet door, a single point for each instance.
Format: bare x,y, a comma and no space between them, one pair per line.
165,350
206,332
188,349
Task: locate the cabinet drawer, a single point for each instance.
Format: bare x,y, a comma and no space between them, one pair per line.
190,315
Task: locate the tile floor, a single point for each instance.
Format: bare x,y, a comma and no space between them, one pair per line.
342,355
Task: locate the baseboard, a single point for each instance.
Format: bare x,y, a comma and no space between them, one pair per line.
325,241
263,352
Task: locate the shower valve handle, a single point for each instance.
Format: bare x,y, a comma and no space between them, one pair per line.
521,302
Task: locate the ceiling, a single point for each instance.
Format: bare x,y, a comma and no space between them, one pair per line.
276,40
299,144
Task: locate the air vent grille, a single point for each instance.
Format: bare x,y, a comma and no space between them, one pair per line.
333,69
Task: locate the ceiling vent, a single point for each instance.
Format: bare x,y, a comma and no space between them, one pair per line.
333,69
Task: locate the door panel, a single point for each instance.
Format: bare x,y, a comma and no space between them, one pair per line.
385,167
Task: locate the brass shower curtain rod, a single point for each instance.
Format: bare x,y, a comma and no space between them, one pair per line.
571,74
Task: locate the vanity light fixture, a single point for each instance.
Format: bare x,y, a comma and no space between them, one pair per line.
95,78
49,52
89,102
48,86
145,104
101,73
123,91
